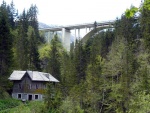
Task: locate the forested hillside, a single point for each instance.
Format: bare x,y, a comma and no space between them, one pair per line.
109,73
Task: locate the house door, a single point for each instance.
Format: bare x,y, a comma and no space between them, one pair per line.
29,97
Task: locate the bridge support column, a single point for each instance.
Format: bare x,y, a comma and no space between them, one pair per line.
49,36
86,30
78,33
89,29
66,38
75,36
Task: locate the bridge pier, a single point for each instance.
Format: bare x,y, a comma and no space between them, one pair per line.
66,38
79,33
50,36
75,34
86,30
89,29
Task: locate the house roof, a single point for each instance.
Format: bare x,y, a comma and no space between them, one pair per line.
34,75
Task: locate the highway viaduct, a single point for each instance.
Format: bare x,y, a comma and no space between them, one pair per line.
66,34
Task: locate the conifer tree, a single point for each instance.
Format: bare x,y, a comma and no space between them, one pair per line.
54,61
79,61
22,43
145,28
33,21
34,62
94,95
6,41
12,14
68,77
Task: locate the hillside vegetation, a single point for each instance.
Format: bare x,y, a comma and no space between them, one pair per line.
16,106
109,73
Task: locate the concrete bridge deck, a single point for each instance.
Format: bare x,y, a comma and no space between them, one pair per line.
79,26
65,30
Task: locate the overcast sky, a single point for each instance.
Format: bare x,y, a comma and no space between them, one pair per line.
67,12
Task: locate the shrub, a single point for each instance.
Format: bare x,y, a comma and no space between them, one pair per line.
8,103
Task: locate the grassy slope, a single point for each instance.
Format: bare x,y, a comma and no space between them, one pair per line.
8,103
30,107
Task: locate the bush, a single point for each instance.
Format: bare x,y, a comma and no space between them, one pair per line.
3,94
70,106
8,103
16,106
29,107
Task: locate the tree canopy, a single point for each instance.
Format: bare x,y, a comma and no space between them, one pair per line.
109,73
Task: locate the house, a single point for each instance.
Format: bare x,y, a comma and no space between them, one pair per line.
30,85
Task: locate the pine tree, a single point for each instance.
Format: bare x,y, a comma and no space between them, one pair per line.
22,43
34,62
145,27
79,61
13,14
94,95
54,61
68,77
6,41
33,21
129,29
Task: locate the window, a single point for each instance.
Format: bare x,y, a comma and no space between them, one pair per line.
20,86
30,86
36,96
19,96
36,86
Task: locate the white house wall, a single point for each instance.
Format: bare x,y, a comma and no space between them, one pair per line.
25,96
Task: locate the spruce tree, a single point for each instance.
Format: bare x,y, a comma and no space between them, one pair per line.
54,62
13,14
79,61
68,77
34,62
22,43
94,95
145,27
6,41
33,21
